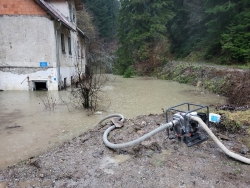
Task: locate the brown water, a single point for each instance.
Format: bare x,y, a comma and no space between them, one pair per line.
27,128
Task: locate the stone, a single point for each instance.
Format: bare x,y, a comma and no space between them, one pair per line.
97,154
143,123
244,150
223,137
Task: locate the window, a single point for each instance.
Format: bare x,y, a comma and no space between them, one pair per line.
72,13
62,42
69,45
78,49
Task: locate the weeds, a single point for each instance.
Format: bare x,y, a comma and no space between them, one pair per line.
49,101
88,89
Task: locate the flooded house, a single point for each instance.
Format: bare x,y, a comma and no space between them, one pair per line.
41,47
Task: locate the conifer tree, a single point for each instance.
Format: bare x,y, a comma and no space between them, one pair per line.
141,24
105,13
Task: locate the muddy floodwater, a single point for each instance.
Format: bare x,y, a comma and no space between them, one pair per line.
27,128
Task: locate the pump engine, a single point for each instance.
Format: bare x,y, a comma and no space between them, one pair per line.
188,130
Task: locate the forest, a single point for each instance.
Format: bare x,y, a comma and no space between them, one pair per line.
141,35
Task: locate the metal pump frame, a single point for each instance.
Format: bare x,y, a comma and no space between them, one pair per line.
196,138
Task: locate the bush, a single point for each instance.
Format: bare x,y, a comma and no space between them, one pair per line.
128,73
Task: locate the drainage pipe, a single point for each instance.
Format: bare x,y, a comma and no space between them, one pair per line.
110,116
134,142
216,140
57,56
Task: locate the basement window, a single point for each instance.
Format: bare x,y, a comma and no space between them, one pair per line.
40,85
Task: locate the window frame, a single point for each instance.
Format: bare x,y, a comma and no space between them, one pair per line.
72,13
69,45
63,43
78,49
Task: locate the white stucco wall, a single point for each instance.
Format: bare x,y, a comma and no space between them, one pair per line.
61,5
68,61
26,41
10,81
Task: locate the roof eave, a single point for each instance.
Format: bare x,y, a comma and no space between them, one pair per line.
82,33
53,15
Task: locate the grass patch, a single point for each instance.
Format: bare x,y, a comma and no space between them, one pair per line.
233,121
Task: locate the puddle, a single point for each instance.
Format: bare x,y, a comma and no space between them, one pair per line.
107,163
121,158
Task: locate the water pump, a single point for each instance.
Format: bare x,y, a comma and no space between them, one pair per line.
188,130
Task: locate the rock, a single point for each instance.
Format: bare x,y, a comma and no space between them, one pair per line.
232,135
236,149
171,137
140,132
244,150
41,175
97,154
223,137
155,147
175,148
143,123
165,145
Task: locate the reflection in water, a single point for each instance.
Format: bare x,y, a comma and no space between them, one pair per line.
27,128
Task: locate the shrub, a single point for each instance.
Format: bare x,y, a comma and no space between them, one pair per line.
129,72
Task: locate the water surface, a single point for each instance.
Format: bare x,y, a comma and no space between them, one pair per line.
27,128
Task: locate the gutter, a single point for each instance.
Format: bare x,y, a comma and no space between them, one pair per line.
83,34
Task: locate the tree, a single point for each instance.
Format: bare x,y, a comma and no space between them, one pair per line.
235,41
105,13
187,28
85,23
219,15
142,23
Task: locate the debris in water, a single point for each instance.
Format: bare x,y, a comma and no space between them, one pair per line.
13,127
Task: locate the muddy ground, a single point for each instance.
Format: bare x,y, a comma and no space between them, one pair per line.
156,162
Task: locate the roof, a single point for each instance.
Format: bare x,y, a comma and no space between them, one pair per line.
56,14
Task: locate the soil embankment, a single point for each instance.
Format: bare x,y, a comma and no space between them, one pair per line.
229,82
156,162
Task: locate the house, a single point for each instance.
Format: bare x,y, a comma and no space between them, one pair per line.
41,46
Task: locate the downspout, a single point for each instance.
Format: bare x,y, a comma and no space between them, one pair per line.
57,57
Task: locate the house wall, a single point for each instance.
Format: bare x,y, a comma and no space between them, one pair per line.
76,61
62,6
27,38
26,41
20,7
